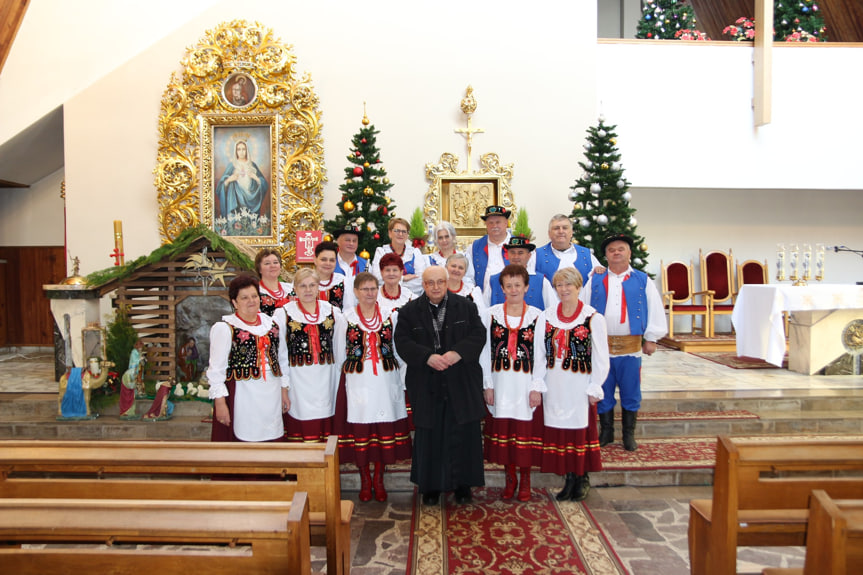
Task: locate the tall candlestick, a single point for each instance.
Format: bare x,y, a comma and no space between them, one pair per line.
807,261
793,262
819,262
780,262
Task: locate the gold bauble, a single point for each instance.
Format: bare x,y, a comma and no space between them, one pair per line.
348,205
643,247
364,254
613,141
366,165
327,238
604,166
370,228
386,180
368,191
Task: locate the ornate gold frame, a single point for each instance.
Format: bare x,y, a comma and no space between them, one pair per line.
209,124
197,96
441,202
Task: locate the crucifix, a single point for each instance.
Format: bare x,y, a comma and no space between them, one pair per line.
468,106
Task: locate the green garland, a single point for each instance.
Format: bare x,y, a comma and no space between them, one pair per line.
168,251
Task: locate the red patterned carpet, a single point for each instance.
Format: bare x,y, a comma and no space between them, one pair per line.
489,536
661,453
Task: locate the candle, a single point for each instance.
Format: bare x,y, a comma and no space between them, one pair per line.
807,259
780,262
793,261
819,262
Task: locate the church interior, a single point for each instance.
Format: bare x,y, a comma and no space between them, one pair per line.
728,147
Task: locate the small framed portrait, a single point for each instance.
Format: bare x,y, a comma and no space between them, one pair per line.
240,177
239,90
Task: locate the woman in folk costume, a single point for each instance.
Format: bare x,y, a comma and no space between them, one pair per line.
314,373
376,427
274,293
458,283
572,356
247,355
393,294
512,389
334,288
412,258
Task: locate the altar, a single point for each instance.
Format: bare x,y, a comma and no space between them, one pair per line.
820,313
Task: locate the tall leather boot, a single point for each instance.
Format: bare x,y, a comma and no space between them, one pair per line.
524,485
568,487
380,490
511,483
629,419
606,428
582,488
365,484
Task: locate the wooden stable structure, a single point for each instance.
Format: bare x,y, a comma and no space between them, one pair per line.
151,293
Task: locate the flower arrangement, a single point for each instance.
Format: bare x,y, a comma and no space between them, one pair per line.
801,36
242,222
741,31
694,35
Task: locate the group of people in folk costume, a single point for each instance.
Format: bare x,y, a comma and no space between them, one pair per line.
498,354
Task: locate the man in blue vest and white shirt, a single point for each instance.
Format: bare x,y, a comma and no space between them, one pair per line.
539,294
488,254
560,252
635,317
348,263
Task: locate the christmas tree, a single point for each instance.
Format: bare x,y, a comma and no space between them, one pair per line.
364,204
798,21
601,197
662,19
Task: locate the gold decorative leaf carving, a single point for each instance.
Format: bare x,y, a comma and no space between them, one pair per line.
198,100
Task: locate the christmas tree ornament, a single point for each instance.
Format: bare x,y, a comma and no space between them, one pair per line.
632,221
368,191
588,238
364,254
358,154
613,141
627,196
585,223
358,171
386,180
366,164
348,206
377,236
383,210
637,261
573,196
595,188
361,221
604,166
602,219
364,141
602,133
643,247
601,118
327,238
621,184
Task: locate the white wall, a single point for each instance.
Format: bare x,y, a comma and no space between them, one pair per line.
33,216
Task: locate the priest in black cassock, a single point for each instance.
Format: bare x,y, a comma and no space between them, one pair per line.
440,337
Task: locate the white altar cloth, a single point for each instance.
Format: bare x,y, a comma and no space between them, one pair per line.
757,315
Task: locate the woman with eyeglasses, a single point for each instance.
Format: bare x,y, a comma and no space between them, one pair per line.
375,429
412,258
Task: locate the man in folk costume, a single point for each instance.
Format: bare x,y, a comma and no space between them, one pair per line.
487,255
440,337
348,263
560,252
635,318
540,294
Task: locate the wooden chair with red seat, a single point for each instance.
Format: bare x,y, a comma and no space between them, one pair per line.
679,298
718,279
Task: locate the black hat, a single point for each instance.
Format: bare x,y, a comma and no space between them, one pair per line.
348,229
616,238
496,211
520,242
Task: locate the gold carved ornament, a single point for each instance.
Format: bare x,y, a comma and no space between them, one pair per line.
460,197
198,101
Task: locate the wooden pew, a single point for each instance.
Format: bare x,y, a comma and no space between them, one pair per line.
185,471
277,533
761,489
834,538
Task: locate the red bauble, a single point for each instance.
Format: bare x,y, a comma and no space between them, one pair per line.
358,171
364,141
383,210
378,161
377,236
358,153
650,34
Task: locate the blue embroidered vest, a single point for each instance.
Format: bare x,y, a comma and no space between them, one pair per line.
547,263
362,264
636,299
479,258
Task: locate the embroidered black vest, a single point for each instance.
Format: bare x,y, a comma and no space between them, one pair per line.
356,348
577,355
243,359
268,304
500,360
299,346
